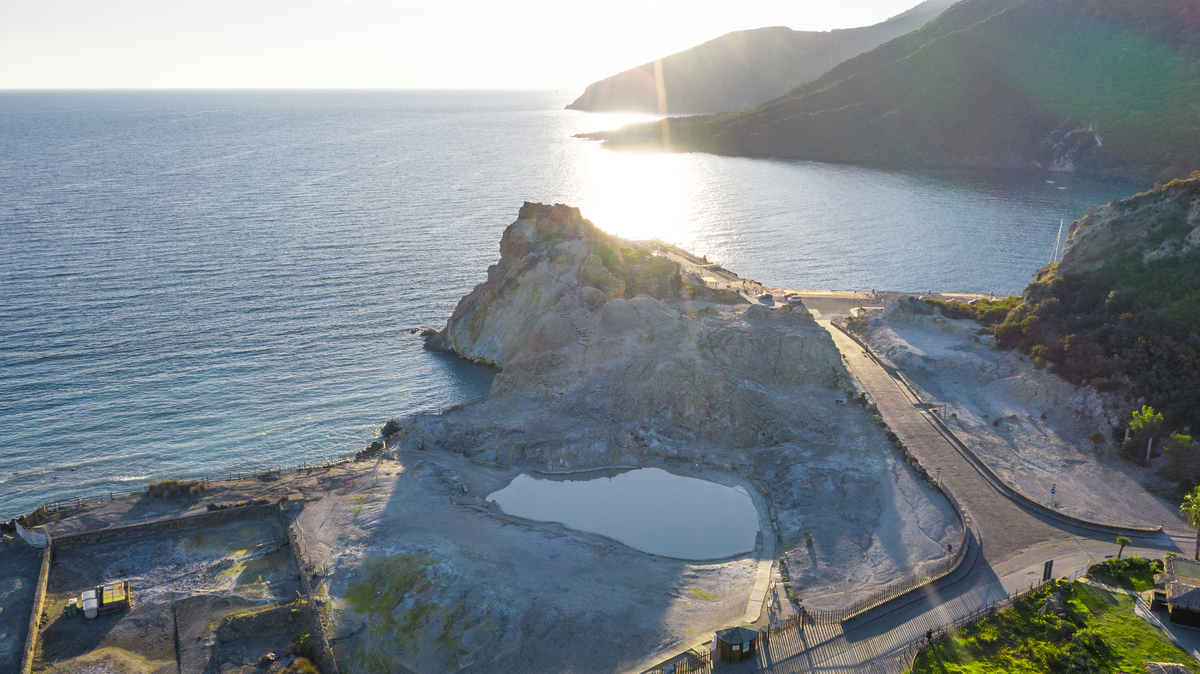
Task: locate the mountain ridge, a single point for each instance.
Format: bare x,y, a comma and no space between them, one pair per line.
742,68
1079,86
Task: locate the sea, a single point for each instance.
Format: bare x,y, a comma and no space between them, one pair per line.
199,282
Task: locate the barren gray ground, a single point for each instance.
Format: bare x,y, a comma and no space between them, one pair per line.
19,565
1042,439
177,581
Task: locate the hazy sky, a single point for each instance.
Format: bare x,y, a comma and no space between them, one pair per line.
375,43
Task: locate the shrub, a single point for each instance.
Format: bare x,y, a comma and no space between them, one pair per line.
168,489
1089,640
987,312
1184,458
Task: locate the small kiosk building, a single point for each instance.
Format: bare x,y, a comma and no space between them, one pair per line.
737,644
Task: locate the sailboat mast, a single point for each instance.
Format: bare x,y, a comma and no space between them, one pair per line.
1057,240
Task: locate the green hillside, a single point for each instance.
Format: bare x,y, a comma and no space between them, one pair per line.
743,68
1122,310
1105,88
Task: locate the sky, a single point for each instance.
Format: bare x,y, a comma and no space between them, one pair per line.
375,44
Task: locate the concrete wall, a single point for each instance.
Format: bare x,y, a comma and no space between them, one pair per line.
35,616
210,518
313,624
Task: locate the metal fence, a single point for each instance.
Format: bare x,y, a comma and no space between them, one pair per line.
910,653
690,663
913,581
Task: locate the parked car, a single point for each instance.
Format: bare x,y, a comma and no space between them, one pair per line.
765,296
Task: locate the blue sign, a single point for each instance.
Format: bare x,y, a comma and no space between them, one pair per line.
1052,490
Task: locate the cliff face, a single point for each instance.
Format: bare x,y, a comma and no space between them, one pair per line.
554,267
603,335
1159,225
1102,88
743,68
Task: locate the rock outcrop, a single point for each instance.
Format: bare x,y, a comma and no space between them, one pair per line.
1158,225
598,328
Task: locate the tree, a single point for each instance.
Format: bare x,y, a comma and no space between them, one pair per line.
1122,541
1191,510
1144,425
1146,422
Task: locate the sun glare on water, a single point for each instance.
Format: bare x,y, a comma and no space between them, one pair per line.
639,195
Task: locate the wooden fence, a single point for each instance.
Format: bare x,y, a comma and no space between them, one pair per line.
241,472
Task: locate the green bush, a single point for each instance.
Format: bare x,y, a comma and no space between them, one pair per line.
1134,573
987,312
1184,459
169,489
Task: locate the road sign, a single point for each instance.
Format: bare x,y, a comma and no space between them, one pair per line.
1047,570
1053,489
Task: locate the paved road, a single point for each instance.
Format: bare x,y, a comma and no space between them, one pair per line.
1003,526
1010,544
1009,547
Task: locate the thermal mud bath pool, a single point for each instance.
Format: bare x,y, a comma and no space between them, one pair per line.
647,509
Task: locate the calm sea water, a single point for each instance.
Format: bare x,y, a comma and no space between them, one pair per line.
194,281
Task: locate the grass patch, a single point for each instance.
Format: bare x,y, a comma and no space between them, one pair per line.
1097,633
387,583
1134,573
704,595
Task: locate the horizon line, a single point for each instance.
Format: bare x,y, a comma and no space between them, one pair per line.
185,89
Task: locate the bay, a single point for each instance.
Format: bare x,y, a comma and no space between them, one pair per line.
197,282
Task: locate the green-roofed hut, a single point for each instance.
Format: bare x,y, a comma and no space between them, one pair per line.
737,644
1182,581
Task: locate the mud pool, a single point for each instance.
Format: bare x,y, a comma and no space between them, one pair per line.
647,509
